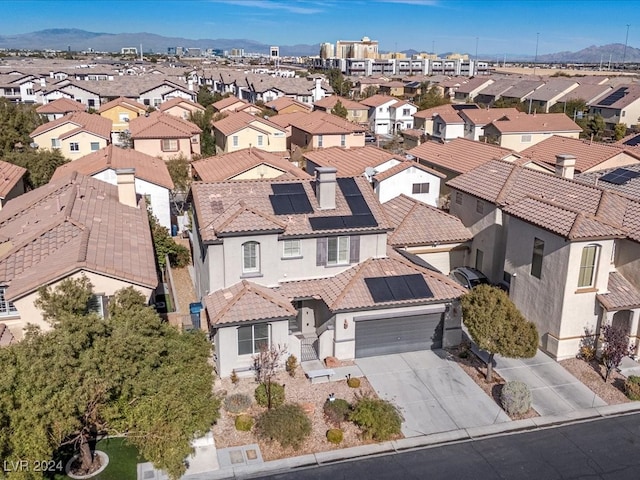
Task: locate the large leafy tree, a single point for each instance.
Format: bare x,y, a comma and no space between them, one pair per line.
430,97
207,140
17,121
88,376
166,247
205,97
497,326
180,172
593,128
340,110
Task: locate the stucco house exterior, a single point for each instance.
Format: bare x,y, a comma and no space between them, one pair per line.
323,130
59,108
283,105
241,130
121,111
73,226
152,179
388,114
621,105
475,120
161,135
568,252
356,112
305,264
181,107
13,182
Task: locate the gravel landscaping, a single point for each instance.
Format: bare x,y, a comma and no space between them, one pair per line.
592,375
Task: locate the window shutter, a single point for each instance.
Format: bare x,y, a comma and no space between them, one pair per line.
321,251
354,249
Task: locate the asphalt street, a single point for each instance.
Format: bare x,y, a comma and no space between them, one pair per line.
599,449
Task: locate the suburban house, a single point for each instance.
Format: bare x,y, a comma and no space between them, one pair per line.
181,107
587,92
234,104
381,116
621,105
246,164
75,135
519,132
394,88
439,240
590,156
59,108
152,179
548,94
448,125
242,130
73,226
285,120
121,111
287,105
390,174
13,183
521,90
356,112
161,135
402,114
628,184
306,264
423,120
568,252
475,119
322,130
161,91
468,89
488,95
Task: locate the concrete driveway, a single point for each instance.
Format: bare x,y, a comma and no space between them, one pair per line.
433,394
554,389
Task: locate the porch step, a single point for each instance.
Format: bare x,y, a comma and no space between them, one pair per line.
309,348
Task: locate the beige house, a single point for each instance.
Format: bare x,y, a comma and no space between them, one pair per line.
71,227
323,130
121,111
59,108
356,112
519,132
161,135
621,105
180,107
230,104
283,105
13,183
241,130
75,135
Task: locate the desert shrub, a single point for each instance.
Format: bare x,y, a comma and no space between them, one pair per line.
237,402
277,395
632,387
288,424
587,353
244,423
353,382
515,398
335,435
337,411
234,377
378,419
291,365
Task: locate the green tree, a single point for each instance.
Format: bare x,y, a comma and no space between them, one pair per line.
594,127
340,85
339,110
205,97
207,140
17,121
123,375
430,98
70,297
179,170
40,164
571,107
370,91
620,130
497,326
164,245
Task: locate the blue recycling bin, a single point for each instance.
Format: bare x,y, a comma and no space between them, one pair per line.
195,309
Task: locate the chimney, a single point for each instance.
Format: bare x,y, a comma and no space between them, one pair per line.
126,178
326,187
565,166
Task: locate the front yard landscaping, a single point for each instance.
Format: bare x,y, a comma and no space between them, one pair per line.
311,399
591,373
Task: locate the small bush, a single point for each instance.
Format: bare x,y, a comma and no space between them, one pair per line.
244,423
291,365
237,403
353,382
288,424
337,411
587,353
632,387
277,395
234,377
515,398
335,435
378,419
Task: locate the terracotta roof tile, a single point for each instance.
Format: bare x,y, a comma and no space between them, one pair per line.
482,116
285,120
318,123
61,105
630,188
281,103
240,120
123,102
538,123
429,113
327,103
162,125
10,175
622,294
405,165
227,102
351,162
631,95
178,101
377,100
82,121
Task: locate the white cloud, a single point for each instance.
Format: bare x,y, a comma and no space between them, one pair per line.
288,6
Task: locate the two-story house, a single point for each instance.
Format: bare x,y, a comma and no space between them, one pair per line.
323,130
181,107
242,130
59,108
161,135
621,105
120,111
305,264
381,118
356,112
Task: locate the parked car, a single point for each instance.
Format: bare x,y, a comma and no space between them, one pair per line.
468,277
369,138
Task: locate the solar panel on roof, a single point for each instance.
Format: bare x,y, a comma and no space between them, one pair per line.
619,176
349,187
281,204
327,223
418,286
379,289
289,199
360,221
633,141
287,188
614,97
300,203
397,288
358,205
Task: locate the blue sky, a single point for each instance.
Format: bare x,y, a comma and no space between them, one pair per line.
499,27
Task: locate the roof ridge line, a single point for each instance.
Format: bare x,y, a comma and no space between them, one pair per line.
356,275
232,301
396,229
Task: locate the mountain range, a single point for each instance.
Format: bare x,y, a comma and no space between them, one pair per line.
81,40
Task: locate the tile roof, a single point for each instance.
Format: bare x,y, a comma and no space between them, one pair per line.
348,290
378,100
162,125
351,162
74,224
319,123
588,154
429,113
417,223
83,122
61,105
459,155
228,165
472,84
631,188
327,103
245,302
631,95
483,116
552,89
285,120
179,101
587,92
405,165
124,102
281,103
450,118
522,88
151,169
536,123
227,102
215,202
553,202
500,86
6,337
10,175
240,120
622,295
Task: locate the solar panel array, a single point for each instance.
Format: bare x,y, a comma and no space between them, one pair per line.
614,97
619,176
633,141
397,288
360,217
289,199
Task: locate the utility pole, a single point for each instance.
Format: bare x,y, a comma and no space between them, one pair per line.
535,61
624,52
475,61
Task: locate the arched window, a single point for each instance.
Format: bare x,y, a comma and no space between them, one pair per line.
586,277
250,257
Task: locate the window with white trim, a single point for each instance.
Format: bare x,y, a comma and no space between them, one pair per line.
338,251
587,274
252,337
74,147
250,257
55,143
169,144
95,146
420,188
6,308
291,248
260,140
234,139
